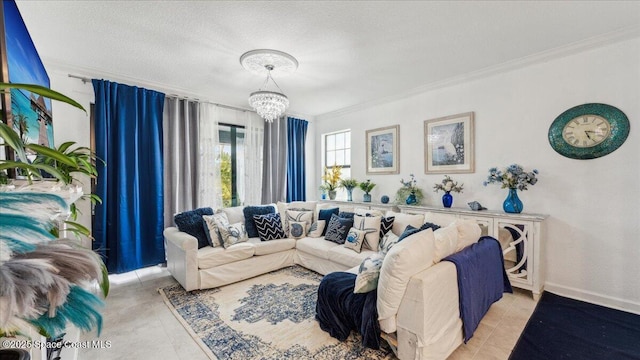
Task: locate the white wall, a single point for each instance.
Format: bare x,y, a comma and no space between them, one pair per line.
593,232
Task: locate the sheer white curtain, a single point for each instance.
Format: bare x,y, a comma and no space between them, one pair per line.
210,189
254,140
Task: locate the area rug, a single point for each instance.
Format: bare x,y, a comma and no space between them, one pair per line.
268,317
563,328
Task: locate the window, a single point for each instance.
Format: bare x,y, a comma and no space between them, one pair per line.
337,151
231,159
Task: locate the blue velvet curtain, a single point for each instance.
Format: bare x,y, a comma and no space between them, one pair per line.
128,224
296,178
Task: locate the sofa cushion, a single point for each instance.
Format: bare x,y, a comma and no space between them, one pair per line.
469,232
402,220
191,222
325,214
210,224
386,224
439,219
209,257
355,239
337,229
405,259
348,257
249,221
272,246
297,216
233,234
387,241
316,247
368,273
234,214
298,229
282,208
269,226
445,241
317,228
371,226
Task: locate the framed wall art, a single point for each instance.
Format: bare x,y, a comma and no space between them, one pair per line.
383,150
448,144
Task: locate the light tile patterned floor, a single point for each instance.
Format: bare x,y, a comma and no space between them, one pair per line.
140,326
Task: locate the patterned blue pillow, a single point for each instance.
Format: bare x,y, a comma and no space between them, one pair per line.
249,222
191,222
347,214
269,226
325,214
385,225
337,229
410,230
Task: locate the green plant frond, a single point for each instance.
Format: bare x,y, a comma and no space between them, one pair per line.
77,228
44,91
95,199
52,154
104,284
12,139
62,148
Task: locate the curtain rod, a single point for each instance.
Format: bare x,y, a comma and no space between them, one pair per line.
87,80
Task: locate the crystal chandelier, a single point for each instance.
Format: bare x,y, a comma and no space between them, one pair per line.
270,105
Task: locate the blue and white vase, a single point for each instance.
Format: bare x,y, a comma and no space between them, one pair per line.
512,203
447,199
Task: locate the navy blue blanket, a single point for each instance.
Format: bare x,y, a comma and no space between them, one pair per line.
339,310
481,281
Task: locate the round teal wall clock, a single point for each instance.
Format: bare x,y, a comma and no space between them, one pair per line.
589,131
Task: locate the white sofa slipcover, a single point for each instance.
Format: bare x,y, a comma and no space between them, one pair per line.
427,321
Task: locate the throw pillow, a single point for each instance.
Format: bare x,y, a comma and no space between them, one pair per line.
317,228
191,221
249,222
298,216
410,230
387,242
337,229
370,225
402,220
386,224
269,226
346,214
325,214
365,212
233,234
211,227
355,239
468,233
297,229
439,218
368,274
445,241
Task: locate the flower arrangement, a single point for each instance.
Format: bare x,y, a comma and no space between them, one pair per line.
331,178
407,188
512,177
367,186
448,185
349,184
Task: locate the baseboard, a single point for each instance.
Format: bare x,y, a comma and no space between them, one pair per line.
599,299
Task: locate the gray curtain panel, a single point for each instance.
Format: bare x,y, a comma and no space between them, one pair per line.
181,155
274,174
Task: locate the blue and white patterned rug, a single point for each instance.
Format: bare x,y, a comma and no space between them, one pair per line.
268,317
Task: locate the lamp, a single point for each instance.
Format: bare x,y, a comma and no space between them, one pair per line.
270,105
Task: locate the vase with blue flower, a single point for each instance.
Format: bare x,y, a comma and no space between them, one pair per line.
409,192
448,185
514,178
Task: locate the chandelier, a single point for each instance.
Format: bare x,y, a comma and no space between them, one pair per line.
269,105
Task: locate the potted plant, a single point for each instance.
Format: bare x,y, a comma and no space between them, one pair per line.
349,184
367,186
448,185
45,279
331,180
409,192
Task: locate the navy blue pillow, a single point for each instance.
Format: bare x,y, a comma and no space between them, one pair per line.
325,214
346,215
191,222
249,222
410,230
338,228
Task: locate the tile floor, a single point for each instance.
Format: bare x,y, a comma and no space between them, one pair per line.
140,326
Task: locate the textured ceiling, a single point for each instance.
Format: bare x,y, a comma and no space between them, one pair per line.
350,53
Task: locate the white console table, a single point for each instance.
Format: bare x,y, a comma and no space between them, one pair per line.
521,237
364,205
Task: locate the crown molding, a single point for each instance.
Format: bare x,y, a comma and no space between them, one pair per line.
544,56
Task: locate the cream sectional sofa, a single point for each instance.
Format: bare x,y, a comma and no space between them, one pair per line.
425,323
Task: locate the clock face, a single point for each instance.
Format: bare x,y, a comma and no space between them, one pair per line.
589,131
586,131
